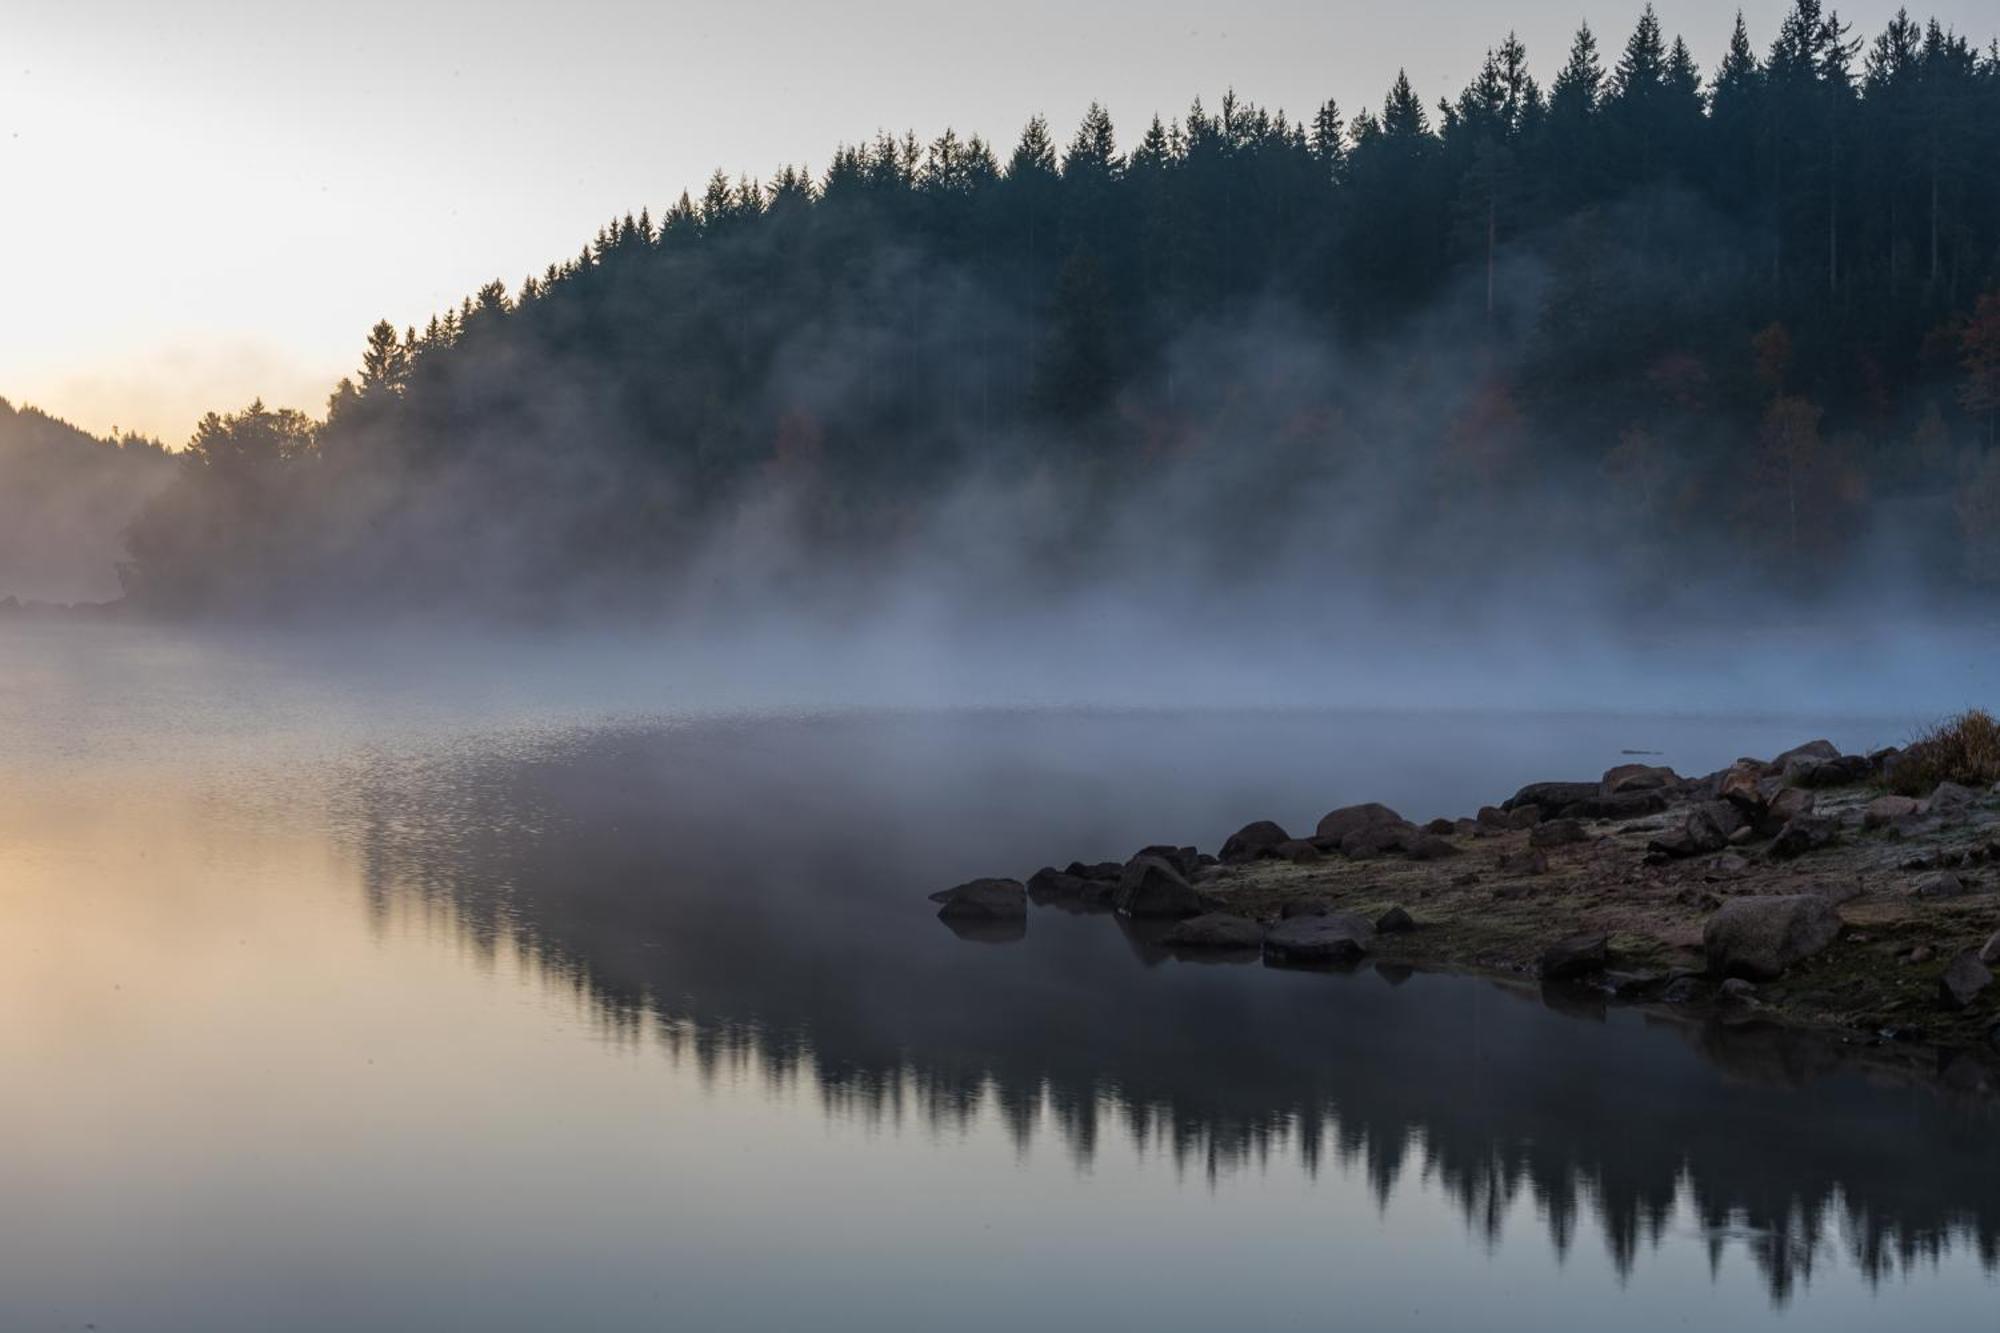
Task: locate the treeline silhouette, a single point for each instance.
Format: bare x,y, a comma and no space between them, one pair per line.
66,496
1743,321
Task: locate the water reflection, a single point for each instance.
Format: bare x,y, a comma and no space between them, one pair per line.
751,895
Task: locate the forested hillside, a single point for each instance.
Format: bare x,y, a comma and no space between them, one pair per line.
1676,324
66,498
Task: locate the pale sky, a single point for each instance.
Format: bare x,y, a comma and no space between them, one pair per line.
208,201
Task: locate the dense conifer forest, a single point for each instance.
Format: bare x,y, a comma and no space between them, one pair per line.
1672,323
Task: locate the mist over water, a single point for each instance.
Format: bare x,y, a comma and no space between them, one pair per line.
581,997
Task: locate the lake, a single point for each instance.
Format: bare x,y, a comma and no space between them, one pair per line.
471,994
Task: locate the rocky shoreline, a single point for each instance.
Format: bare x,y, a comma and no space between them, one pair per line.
1798,891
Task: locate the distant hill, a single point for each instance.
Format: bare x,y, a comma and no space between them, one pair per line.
66,497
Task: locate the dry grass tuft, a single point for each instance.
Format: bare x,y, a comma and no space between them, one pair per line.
1964,749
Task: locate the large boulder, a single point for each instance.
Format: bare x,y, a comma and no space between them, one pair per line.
1624,805
984,900
1782,805
1332,937
1575,956
1380,839
1187,860
1950,798
1215,930
1739,784
1964,981
1049,885
1759,938
1252,841
1550,795
1153,887
1637,777
1706,829
1810,750
1338,824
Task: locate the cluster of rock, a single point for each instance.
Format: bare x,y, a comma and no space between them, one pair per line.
1754,808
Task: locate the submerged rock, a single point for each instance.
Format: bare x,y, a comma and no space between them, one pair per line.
1336,937
1758,938
984,900
1215,930
1963,981
1153,887
1575,956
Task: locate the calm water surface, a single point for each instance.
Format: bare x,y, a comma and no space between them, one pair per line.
330,1003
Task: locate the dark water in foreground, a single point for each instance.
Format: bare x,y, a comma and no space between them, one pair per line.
320,1010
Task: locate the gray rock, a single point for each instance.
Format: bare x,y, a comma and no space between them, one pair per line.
1530,862
1806,833
1338,824
1886,810
1428,847
1810,750
1681,990
1706,829
1963,981
1784,805
1637,777
1624,805
1739,786
1938,884
1151,887
1336,937
1758,938
1049,885
1253,841
1110,870
1557,833
1990,955
1950,798
1575,956
1215,930
1395,921
1306,907
1550,795
1736,991
1380,839
984,900
1186,860
1299,852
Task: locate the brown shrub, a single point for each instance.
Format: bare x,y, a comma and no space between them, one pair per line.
1964,749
